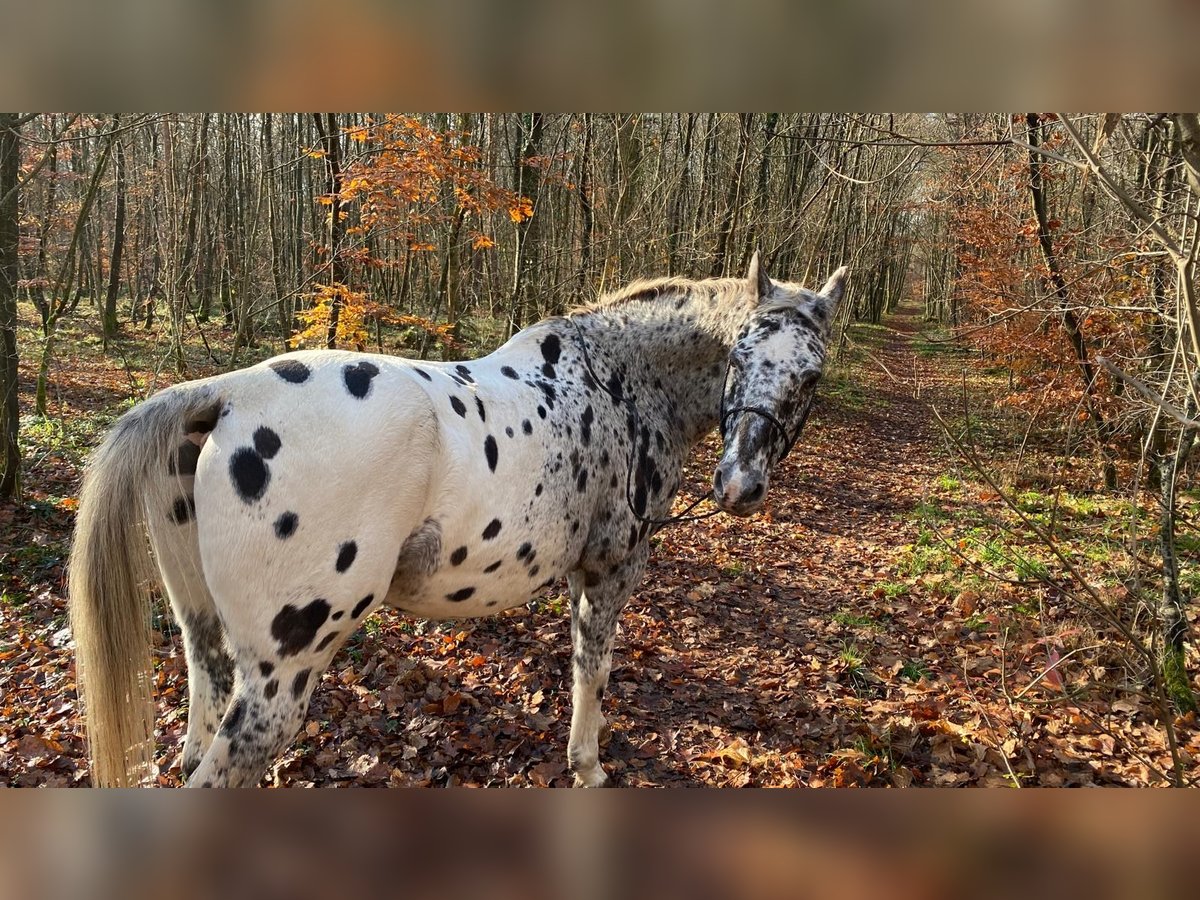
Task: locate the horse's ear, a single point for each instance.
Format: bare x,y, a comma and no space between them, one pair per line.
835,287
825,302
758,279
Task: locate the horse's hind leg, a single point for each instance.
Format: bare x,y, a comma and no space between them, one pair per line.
278,660
210,668
268,707
596,604
270,700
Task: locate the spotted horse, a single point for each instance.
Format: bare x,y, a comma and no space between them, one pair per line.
286,501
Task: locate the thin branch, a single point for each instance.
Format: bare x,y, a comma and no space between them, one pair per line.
1146,391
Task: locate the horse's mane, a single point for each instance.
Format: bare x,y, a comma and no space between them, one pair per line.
651,289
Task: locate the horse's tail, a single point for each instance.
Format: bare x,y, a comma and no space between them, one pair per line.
131,476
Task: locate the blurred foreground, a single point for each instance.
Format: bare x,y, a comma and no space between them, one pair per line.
606,844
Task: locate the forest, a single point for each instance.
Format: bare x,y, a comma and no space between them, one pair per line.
977,567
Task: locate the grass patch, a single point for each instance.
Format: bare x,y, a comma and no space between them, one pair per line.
840,389
947,483
855,620
915,670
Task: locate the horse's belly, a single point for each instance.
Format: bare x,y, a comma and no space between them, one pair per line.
466,594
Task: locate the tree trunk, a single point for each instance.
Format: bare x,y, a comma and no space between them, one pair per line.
526,256
587,216
733,198
1171,609
1037,194
338,275
114,266
10,233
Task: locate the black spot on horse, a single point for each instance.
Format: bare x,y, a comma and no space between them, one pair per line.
527,426
537,491
325,641
600,692
616,388
491,451
633,536
361,605
509,372
423,373
465,373
542,412
508,431
346,554
524,550
184,510
285,525
581,481
549,392
233,718
271,689
494,566
459,406
590,578
458,557
295,629
291,370
548,371
266,668
300,683
249,474
337,615
185,459
266,442
534,571
479,408
551,348
358,377
585,425
493,529
461,595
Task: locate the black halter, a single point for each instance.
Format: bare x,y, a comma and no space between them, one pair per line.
778,431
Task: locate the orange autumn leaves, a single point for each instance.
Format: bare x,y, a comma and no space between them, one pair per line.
405,189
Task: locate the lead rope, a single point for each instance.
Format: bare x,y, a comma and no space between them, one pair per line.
656,524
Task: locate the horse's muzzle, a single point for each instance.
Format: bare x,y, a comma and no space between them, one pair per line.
738,491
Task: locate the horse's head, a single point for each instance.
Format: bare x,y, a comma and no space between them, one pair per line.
773,372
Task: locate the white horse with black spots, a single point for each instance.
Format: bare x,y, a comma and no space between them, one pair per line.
285,501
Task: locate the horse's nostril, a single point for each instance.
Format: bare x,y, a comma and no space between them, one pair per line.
718,481
756,493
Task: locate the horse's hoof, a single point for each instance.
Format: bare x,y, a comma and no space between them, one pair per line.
594,778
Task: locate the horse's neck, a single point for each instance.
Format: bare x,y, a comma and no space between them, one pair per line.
679,356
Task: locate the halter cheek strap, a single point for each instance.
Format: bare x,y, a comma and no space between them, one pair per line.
778,431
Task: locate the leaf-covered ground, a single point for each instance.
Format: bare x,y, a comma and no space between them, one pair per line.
832,640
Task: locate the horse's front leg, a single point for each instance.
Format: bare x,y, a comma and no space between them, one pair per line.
596,603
